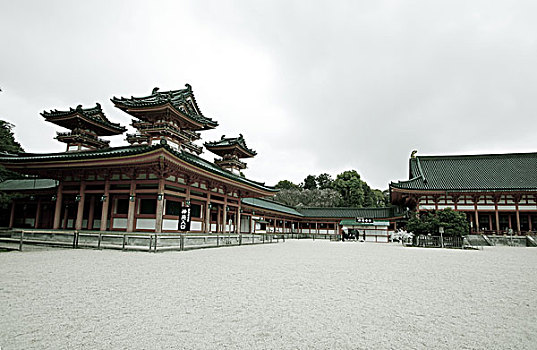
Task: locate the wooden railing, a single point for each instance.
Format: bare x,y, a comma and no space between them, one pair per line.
151,242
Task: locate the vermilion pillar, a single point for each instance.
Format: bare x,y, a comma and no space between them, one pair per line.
132,207
208,214
58,207
517,219
225,216
12,215
37,214
80,210
91,213
497,217
106,203
238,223
160,206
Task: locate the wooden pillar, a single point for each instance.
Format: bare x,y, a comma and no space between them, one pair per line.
510,223
497,217
91,214
477,228
37,214
238,223
219,219
490,222
517,213
132,207
12,214
208,214
65,216
529,223
106,203
160,206
80,210
252,222
317,227
58,207
225,215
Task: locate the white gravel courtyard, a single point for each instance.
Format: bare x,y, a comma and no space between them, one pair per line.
292,295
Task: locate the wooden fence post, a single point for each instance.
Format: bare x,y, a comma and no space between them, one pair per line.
155,245
150,242
99,241
217,240
20,243
240,239
182,243
124,242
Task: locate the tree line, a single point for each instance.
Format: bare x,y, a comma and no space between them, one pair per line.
7,145
346,190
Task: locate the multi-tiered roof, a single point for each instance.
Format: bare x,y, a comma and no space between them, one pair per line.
172,115
231,149
86,124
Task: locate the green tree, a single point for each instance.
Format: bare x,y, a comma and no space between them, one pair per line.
7,140
324,181
8,145
310,183
349,186
286,185
308,198
453,222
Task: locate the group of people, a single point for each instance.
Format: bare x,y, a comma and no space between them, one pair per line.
353,235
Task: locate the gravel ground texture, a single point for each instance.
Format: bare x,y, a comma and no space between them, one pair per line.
292,295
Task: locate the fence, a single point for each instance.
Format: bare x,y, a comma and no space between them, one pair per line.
313,236
438,241
151,242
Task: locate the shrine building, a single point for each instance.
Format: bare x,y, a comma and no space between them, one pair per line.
497,192
143,186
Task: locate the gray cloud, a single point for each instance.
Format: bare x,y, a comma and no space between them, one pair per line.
314,86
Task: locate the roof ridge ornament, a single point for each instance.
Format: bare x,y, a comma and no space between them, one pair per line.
154,91
413,154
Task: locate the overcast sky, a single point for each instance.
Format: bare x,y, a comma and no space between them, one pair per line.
314,86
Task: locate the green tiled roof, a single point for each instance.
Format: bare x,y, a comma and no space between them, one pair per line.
327,213
354,223
27,184
227,142
335,212
84,117
508,172
132,150
176,98
270,205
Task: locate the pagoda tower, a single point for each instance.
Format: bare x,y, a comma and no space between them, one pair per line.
173,116
231,150
86,125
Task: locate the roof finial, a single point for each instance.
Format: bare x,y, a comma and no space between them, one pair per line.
98,105
154,91
413,154
223,137
188,87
